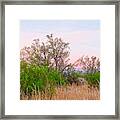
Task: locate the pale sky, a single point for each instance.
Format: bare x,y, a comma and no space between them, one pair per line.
83,35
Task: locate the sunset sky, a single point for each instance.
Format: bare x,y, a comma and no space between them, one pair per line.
83,35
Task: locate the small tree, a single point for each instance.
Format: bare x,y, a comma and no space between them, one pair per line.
88,64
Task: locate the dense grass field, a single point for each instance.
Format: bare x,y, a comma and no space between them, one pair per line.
69,92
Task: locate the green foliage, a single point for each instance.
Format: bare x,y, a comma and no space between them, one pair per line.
39,78
93,79
73,76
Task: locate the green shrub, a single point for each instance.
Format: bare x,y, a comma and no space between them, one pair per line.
93,79
39,78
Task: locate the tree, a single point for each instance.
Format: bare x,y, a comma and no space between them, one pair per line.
54,53
88,64
59,52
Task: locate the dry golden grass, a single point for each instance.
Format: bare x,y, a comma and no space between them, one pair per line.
70,92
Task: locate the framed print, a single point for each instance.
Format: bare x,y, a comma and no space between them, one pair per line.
59,59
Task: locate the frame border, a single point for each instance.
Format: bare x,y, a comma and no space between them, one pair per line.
55,2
